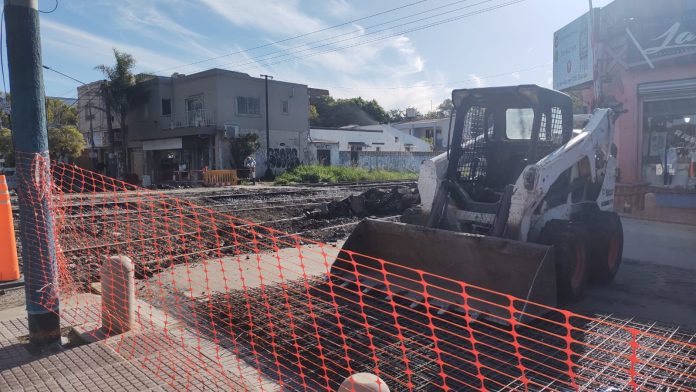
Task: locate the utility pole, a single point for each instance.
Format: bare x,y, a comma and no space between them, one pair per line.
93,153
33,175
269,172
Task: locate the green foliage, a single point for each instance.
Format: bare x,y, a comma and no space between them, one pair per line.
243,146
120,80
313,114
59,113
351,111
122,90
318,173
65,143
445,108
6,150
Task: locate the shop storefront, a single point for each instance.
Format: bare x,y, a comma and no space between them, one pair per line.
643,64
669,143
177,159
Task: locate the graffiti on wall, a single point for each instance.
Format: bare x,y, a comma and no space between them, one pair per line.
283,158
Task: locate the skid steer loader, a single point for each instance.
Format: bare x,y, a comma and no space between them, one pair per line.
520,204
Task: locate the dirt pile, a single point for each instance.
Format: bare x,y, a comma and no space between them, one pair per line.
373,202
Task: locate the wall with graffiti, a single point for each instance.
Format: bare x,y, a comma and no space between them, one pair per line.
286,158
387,160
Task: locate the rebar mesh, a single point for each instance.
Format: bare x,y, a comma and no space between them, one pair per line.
237,301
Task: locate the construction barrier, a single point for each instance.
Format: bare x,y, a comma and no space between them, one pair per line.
227,304
220,177
9,263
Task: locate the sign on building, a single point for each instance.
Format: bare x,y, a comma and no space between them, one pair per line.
572,54
660,40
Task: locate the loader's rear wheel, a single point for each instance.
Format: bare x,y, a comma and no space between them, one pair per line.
570,242
607,246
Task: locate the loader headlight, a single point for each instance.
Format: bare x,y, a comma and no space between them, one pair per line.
530,177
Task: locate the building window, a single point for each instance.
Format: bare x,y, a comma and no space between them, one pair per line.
194,110
378,149
166,107
249,106
669,143
286,106
396,139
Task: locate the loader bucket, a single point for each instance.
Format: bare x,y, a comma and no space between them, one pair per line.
409,262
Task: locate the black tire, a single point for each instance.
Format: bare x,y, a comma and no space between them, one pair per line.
570,241
606,249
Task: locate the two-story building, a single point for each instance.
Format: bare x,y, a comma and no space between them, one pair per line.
639,57
185,123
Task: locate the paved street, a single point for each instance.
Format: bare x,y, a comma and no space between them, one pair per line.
657,278
660,243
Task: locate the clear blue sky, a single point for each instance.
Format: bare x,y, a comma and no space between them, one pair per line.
507,45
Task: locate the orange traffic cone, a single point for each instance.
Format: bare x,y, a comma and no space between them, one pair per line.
9,265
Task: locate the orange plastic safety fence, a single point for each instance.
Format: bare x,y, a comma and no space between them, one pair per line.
230,304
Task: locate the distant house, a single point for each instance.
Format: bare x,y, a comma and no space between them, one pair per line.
435,129
186,123
373,146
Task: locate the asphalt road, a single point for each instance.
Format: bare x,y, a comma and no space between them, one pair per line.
657,277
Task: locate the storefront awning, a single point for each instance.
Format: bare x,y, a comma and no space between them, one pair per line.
163,144
668,90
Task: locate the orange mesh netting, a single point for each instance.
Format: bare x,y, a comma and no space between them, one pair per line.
230,304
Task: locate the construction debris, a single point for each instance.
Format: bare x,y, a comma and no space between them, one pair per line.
373,202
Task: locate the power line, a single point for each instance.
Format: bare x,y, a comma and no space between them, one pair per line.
290,49
55,7
439,84
418,28
61,73
295,37
2,61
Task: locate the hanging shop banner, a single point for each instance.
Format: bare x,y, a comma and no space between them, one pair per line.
652,42
572,54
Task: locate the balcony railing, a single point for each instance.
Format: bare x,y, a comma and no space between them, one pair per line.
191,118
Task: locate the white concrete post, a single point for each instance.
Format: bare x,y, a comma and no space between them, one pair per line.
118,295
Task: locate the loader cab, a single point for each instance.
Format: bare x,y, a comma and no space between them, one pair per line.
498,131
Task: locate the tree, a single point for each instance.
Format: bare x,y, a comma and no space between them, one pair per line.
445,108
243,146
313,115
65,143
59,113
120,91
350,111
6,149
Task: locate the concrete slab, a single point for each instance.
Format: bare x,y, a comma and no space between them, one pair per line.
248,270
151,358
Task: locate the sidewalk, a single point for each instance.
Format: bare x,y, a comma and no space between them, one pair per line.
155,359
685,216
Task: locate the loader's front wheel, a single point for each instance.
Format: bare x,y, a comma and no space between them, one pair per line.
570,243
607,247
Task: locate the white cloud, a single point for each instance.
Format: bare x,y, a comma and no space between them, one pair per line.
95,49
150,21
477,80
338,7
274,16
515,75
